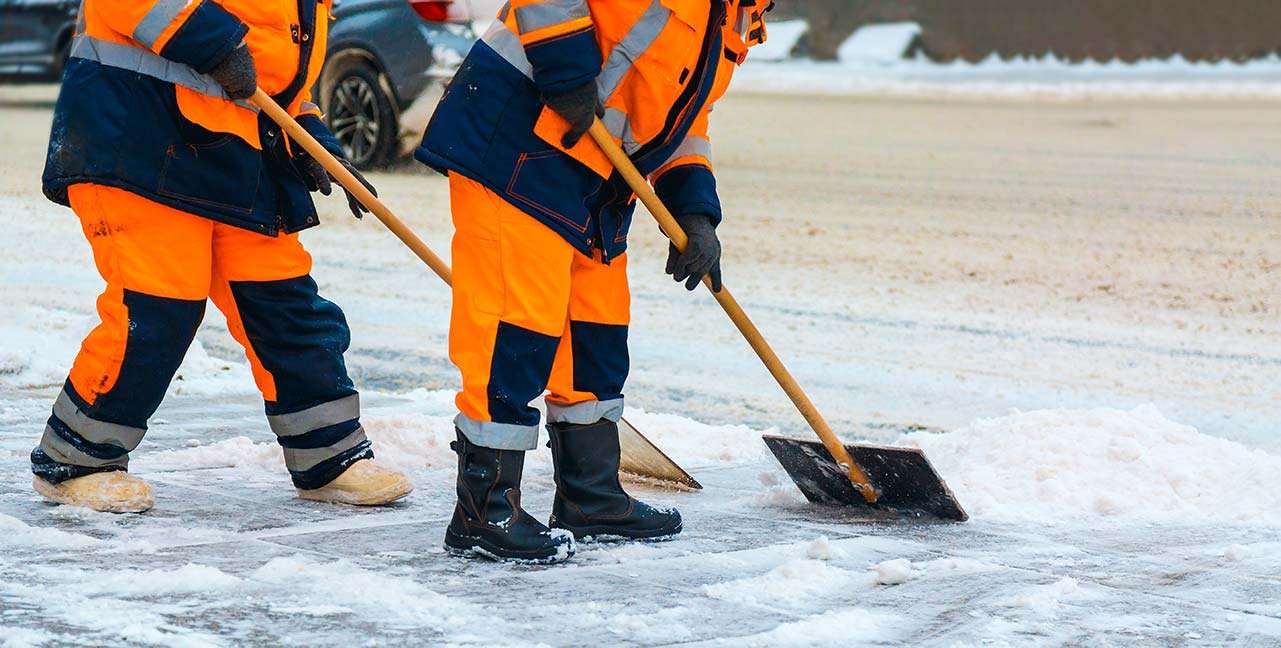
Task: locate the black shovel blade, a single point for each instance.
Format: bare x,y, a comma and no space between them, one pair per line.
906,481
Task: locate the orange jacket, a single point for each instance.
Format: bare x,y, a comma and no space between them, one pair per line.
138,111
659,66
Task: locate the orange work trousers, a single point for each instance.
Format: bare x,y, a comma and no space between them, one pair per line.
531,314
161,265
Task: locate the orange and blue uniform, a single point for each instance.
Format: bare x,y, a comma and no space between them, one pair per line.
187,196
540,287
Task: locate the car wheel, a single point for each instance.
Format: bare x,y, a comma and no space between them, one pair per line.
361,116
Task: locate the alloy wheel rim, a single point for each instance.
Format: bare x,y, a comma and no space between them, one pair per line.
355,118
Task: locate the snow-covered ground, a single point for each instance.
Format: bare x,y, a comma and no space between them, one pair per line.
1077,300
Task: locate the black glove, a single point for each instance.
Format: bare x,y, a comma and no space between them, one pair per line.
318,179
357,208
702,254
580,107
236,73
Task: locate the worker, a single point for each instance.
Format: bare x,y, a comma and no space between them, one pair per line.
187,193
541,300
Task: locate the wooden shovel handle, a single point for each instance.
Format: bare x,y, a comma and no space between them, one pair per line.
335,168
668,223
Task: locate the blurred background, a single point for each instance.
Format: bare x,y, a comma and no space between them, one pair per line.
1077,30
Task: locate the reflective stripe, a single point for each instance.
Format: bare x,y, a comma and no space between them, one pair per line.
617,123
504,12
624,55
585,413
137,59
531,18
312,419
95,431
499,436
80,18
62,452
162,14
694,145
507,44
308,106
303,459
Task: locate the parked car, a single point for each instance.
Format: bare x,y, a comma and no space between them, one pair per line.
35,37
387,67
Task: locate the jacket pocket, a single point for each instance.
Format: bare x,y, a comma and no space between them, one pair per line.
554,185
223,174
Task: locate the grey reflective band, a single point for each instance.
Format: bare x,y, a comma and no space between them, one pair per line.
531,18
618,125
62,452
142,61
507,44
302,459
499,436
313,418
585,413
504,12
693,145
80,18
95,431
308,106
638,39
154,23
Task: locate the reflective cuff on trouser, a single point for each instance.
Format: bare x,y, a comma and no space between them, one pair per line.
321,441
585,413
72,438
498,436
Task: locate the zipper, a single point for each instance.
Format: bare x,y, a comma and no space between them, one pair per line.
681,107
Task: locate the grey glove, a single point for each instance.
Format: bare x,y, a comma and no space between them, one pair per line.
702,255
320,180
579,106
236,73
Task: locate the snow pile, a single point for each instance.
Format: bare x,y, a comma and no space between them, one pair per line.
688,441
871,61
1045,599
879,45
894,572
1052,463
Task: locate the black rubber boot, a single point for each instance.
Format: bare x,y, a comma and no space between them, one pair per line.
590,501
488,520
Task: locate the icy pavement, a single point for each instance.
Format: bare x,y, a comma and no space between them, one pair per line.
230,557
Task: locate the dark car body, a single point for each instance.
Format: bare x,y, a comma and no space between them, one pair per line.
386,67
35,36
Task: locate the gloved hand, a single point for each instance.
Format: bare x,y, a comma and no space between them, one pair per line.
318,179
580,107
236,73
702,254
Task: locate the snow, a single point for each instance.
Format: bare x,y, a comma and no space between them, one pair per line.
928,265
872,62
894,572
878,45
1052,464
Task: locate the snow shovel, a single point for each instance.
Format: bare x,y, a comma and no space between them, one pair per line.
874,479
640,457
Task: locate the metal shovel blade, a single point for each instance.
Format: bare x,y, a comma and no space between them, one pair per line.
642,460
906,481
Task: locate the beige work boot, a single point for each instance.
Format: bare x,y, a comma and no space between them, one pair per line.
364,483
109,492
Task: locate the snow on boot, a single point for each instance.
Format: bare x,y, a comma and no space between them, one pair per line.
114,491
590,501
364,483
488,520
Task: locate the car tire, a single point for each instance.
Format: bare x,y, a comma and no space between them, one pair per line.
362,116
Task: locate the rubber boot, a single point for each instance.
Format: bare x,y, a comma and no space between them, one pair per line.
364,483
115,491
590,501
488,520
